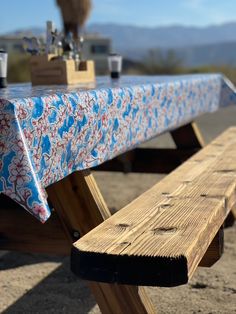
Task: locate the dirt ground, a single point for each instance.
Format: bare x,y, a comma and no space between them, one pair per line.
43,284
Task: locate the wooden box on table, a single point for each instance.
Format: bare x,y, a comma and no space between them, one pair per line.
48,70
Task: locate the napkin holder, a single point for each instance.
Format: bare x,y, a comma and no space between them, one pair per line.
50,70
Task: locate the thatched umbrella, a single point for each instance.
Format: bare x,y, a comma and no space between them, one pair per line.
74,14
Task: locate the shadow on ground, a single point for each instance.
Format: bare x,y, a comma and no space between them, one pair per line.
58,292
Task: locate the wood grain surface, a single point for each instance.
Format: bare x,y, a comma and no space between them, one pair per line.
161,237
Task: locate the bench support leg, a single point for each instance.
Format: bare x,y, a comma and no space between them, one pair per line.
215,250
229,221
188,136
81,207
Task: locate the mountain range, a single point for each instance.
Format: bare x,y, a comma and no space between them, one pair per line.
214,44
165,37
195,46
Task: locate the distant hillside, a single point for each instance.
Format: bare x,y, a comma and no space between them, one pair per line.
33,31
193,45
214,54
125,37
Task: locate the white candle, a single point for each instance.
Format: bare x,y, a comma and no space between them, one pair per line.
115,65
3,64
3,68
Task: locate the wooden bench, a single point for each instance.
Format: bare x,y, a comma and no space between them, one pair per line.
162,236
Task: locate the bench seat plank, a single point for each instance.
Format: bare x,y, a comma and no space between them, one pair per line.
160,238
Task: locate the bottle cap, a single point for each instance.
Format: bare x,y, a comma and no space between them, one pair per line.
3,82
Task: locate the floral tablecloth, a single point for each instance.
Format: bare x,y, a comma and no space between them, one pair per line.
48,132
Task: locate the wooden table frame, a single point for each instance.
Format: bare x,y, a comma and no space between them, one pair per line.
79,207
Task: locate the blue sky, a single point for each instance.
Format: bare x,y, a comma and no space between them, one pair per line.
16,14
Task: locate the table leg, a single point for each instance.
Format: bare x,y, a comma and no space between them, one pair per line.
81,207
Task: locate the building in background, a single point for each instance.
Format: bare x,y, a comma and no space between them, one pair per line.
12,44
97,48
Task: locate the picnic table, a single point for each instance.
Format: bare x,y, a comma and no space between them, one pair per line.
51,137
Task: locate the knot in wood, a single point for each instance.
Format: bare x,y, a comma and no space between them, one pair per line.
125,243
166,205
164,230
225,171
122,226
